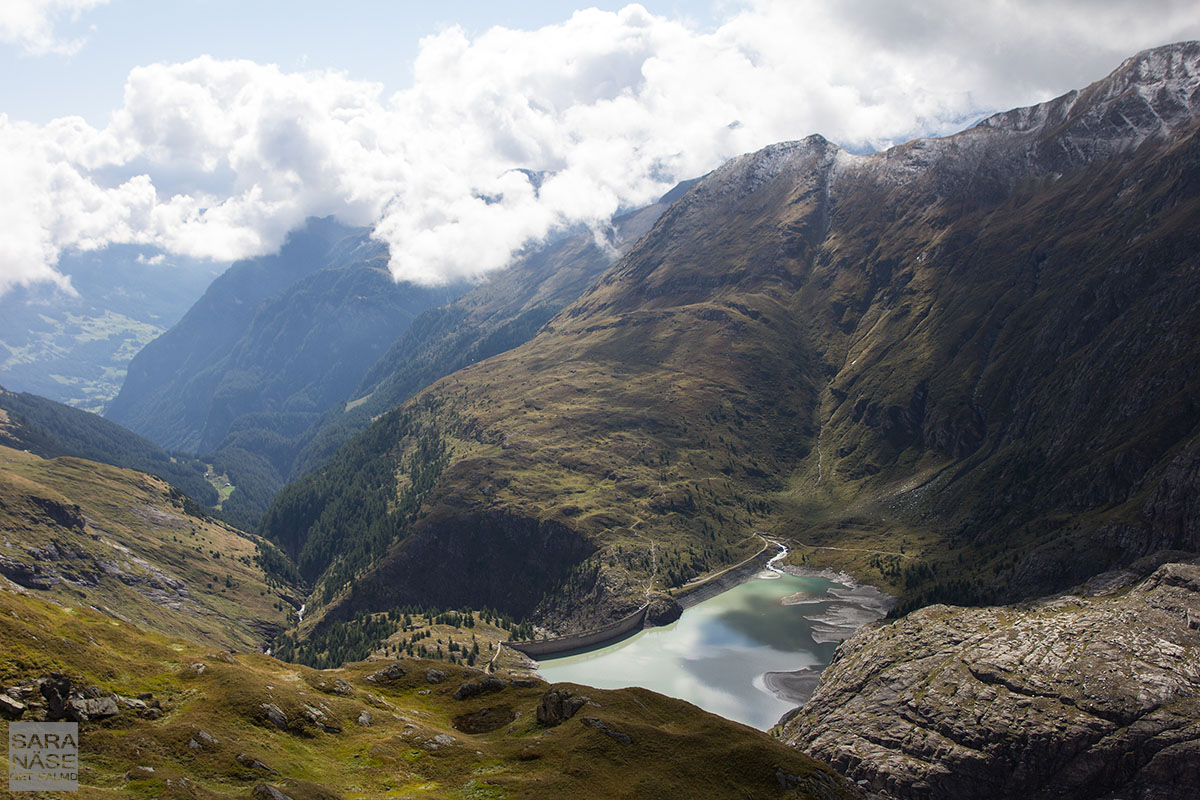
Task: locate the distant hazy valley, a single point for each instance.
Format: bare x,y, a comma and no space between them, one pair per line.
75,348
962,370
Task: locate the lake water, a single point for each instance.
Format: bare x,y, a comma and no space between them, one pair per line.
719,654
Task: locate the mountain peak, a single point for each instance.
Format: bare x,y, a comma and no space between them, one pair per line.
1178,62
1151,94
745,174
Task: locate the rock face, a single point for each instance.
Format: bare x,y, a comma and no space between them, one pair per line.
1071,697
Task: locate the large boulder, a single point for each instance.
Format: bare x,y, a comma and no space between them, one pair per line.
469,689
10,708
86,708
607,730
56,691
559,705
662,610
389,674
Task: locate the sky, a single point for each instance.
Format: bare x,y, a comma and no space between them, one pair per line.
211,128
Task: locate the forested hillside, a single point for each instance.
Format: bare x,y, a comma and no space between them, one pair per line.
51,429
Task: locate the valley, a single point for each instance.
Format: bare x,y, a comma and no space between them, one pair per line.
910,324
74,346
910,437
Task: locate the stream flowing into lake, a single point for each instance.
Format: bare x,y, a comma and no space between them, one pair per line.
750,654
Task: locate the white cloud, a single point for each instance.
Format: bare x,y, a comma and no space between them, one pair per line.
220,159
31,24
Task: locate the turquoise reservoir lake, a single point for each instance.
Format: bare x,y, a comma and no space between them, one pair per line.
750,654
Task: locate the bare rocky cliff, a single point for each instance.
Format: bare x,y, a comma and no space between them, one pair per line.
1076,696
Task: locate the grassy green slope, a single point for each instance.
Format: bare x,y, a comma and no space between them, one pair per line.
214,740
625,431
82,533
52,429
500,313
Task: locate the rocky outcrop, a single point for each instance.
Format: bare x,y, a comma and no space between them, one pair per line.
265,791
662,610
607,730
274,715
1076,696
10,707
62,700
320,719
30,576
250,762
86,708
469,689
559,705
389,674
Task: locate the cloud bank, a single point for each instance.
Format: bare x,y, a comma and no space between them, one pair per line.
30,24
220,159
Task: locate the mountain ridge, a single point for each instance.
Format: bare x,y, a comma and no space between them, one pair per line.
873,351
273,344
49,429
504,310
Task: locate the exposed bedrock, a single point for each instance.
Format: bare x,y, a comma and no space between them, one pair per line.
1071,697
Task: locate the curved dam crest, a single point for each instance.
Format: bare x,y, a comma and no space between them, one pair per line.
687,596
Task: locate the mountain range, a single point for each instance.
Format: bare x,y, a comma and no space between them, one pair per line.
961,369
258,377
964,366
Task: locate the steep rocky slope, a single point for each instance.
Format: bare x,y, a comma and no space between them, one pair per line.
1077,696
81,533
951,366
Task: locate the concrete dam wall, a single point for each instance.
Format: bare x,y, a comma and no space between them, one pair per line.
687,596
578,641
